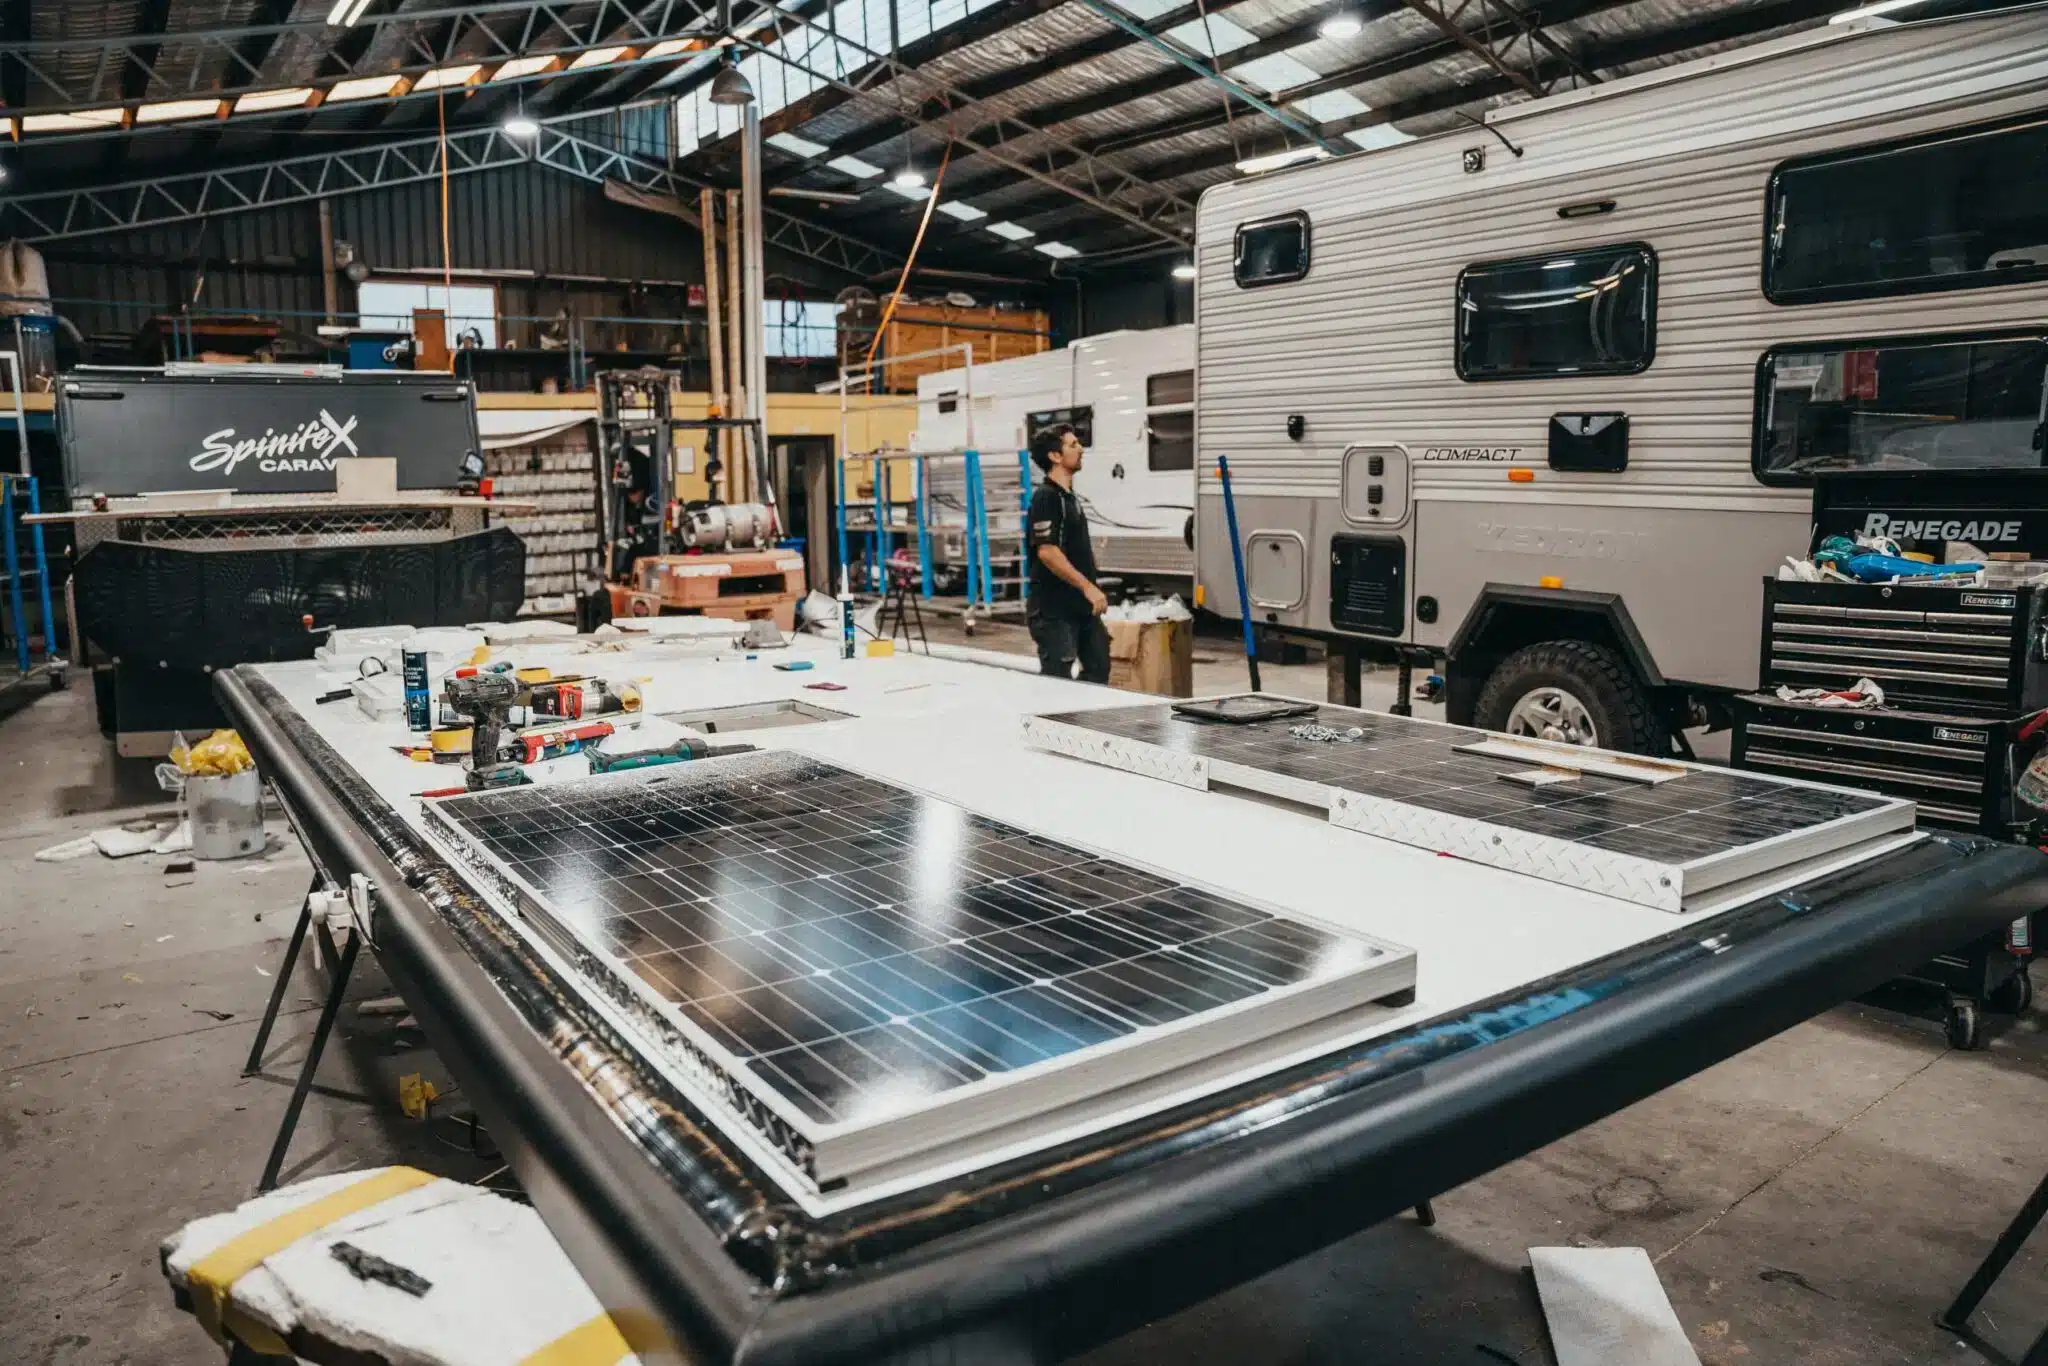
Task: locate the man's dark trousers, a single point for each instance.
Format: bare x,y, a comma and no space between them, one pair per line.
1063,639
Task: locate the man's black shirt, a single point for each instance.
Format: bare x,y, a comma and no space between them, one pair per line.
1057,520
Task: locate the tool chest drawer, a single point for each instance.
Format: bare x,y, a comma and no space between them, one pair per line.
1954,768
1961,651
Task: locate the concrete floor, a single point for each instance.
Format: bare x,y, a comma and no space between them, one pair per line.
1812,1201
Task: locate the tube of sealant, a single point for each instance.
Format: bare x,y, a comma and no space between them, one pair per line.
845,617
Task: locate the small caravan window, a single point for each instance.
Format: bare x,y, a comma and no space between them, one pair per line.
1956,211
1901,403
1170,421
1081,419
1271,251
949,401
1587,312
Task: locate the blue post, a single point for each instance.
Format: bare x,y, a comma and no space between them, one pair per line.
1244,602
13,554
1024,525
924,531
977,531
839,520
879,576
35,534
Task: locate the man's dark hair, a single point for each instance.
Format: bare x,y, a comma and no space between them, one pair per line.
1046,442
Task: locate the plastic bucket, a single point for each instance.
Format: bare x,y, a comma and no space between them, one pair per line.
226,814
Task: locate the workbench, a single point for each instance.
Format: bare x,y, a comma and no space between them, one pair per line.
1539,1008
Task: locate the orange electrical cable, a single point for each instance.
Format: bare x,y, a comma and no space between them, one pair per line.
447,266
889,309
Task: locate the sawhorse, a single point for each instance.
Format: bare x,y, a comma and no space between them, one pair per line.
1956,1318
318,903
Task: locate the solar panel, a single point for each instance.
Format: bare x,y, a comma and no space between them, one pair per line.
1678,837
859,972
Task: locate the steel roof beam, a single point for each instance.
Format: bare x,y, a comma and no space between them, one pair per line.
487,31
63,214
1030,152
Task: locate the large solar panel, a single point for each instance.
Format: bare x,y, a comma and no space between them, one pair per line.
1678,837
860,973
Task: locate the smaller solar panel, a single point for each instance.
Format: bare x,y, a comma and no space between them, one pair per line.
1421,782
853,964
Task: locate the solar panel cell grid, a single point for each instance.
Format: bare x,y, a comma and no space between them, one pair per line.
859,948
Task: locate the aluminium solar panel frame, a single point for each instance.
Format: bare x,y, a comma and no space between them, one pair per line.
1201,1054
1700,885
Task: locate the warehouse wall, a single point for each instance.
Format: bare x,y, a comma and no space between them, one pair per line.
516,219
1139,296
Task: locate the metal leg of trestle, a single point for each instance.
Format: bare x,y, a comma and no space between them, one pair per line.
1425,1214
339,966
284,977
1956,1318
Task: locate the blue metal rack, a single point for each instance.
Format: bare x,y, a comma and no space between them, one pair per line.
19,496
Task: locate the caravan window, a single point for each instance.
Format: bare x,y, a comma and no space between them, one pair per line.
1271,251
1170,421
1951,212
1910,403
1589,312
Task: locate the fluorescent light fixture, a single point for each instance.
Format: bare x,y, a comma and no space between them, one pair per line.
855,167
1273,161
1872,11
598,56
257,101
796,146
916,194
909,178
1059,251
1009,231
521,126
346,12
1184,271
513,68
442,76
1341,25
75,121
364,88
820,196
669,47
165,110
966,213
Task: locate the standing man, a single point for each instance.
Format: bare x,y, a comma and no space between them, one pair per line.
1066,606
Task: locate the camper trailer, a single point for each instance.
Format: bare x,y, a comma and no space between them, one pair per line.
1130,397
1542,400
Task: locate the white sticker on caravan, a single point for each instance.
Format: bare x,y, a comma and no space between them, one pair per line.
1585,543
1471,455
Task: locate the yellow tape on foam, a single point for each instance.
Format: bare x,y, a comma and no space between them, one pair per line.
213,1276
594,1342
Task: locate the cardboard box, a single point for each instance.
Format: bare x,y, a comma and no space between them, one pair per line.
1152,656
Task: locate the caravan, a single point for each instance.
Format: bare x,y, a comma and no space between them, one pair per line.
1130,397
1542,399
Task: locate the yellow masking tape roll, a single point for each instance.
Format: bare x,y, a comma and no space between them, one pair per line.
215,1274
594,1342
450,739
532,676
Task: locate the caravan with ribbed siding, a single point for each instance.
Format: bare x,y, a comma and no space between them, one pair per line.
1542,399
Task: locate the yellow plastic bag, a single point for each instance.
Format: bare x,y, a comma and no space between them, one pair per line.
218,755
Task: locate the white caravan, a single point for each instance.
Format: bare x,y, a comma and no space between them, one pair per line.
1542,400
1130,395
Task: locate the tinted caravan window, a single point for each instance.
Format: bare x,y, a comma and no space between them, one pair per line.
1272,251
1170,421
1590,312
1941,404
1954,212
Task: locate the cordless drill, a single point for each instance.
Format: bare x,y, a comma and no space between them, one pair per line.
486,699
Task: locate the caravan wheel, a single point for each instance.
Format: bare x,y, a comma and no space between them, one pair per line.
1572,691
